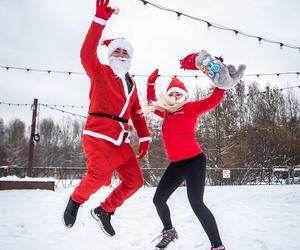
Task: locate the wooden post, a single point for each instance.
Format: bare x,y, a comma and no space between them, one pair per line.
31,140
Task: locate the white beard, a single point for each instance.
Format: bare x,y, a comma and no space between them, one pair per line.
167,104
119,65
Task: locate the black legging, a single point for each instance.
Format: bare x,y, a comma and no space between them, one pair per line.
193,172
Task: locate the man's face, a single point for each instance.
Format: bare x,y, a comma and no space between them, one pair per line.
119,52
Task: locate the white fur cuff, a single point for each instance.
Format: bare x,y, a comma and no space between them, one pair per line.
148,138
99,20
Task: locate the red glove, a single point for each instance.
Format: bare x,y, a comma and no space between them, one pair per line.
152,78
189,62
143,149
103,11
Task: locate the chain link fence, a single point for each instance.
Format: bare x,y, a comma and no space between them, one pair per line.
69,177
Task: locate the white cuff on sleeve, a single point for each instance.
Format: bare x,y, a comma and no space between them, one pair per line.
99,20
148,138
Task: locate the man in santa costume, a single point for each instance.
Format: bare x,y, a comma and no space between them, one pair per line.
113,101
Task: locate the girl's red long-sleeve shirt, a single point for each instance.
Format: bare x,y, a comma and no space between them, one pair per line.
179,128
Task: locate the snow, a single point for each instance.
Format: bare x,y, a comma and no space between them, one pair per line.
249,218
15,178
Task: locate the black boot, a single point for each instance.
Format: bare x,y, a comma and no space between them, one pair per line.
104,219
70,213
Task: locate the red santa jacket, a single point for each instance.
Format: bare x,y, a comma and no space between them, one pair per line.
109,95
178,129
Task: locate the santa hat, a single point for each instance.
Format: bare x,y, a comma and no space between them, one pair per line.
177,86
122,43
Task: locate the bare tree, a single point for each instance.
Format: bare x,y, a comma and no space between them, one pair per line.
16,144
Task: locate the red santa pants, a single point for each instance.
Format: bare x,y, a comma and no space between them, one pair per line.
103,158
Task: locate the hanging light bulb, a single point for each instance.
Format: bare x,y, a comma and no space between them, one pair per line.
281,45
208,25
259,40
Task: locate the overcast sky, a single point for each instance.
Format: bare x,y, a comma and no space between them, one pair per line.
48,34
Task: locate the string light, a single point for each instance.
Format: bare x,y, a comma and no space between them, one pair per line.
16,104
67,106
42,70
140,75
54,106
221,27
63,111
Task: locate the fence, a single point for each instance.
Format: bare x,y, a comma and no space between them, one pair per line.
70,176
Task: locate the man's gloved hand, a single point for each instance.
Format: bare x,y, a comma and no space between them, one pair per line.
103,11
223,76
152,78
143,149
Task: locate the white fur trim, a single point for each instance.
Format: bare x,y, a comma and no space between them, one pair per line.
125,87
127,139
99,20
127,100
105,137
147,138
120,43
179,90
120,138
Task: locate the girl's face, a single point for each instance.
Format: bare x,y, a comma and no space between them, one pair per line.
176,95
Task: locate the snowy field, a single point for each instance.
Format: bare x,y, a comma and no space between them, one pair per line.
249,218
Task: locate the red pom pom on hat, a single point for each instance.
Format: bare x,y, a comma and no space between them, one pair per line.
106,42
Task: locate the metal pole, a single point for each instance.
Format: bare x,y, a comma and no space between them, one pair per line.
31,140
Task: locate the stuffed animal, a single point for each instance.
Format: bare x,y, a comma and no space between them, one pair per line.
223,76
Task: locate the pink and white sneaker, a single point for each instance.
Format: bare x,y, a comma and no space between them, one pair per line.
218,248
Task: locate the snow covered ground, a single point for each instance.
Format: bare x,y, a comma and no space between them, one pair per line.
249,218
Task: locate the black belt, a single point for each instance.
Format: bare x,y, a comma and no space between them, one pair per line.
117,118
